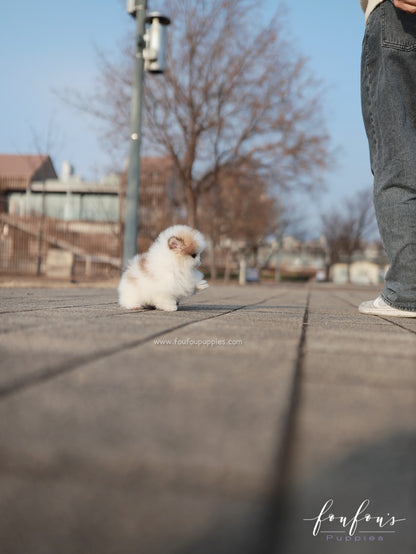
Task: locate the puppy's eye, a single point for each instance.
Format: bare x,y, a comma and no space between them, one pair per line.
193,255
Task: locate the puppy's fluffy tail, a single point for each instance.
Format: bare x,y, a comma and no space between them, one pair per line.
127,288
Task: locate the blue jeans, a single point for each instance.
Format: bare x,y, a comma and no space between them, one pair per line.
388,96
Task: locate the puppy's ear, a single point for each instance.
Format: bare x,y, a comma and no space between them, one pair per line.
175,243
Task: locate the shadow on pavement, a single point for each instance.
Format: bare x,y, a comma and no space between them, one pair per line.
383,473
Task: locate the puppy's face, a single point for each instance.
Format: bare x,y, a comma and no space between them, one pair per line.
187,248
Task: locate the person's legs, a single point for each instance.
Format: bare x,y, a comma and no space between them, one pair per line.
388,92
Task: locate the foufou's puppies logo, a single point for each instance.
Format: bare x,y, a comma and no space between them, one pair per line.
360,525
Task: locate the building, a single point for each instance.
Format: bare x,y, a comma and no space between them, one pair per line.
41,212
67,198
43,215
359,272
18,171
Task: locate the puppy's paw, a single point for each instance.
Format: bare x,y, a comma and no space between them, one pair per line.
202,285
167,306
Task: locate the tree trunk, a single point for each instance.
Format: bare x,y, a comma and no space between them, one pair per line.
191,204
349,270
328,272
227,269
212,263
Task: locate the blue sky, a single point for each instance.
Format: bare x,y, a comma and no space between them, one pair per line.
48,45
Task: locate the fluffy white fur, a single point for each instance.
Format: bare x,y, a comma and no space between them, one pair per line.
165,274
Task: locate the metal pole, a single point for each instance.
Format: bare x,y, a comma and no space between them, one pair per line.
131,217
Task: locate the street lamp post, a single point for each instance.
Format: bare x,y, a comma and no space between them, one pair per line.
133,176
149,47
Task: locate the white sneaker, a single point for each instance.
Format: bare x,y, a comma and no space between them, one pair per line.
379,307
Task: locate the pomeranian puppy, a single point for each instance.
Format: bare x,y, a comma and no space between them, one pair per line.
165,274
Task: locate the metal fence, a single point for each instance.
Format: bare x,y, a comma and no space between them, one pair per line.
39,245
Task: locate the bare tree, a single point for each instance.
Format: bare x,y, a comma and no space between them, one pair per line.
239,210
43,146
346,227
233,94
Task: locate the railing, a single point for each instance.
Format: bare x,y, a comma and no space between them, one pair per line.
26,244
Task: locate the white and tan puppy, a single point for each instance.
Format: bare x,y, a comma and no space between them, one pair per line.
165,274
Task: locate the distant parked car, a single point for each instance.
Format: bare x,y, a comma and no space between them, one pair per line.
252,275
320,276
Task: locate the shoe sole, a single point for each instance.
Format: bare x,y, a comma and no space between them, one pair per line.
387,313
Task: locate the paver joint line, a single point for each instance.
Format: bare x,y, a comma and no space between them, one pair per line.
413,331
284,454
275,520
37,378
57,308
